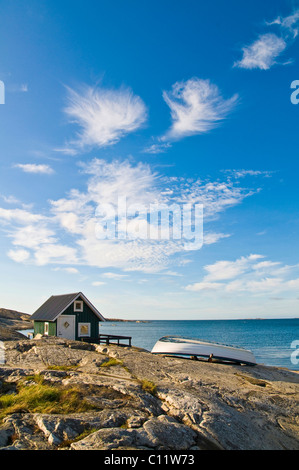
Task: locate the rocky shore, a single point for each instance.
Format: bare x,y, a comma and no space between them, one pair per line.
11,321
57,394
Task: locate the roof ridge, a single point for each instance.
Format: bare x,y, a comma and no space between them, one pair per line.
63,295
56,304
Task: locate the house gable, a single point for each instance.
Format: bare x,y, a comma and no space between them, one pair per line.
50,319
58,304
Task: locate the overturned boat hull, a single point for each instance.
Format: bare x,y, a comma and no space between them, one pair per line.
175,345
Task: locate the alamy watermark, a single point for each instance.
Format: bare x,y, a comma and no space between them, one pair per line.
295,94
2,92
156,221
295,353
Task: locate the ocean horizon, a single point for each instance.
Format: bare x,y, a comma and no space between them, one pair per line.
274,342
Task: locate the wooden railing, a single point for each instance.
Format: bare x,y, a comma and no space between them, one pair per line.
115,339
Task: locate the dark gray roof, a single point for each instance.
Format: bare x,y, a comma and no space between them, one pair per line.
53,307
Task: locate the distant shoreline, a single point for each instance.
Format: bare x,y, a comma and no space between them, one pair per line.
199,319
126,321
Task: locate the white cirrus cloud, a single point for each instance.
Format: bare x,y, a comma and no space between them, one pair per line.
55,253
19,256
214,237
67,233
262,53
248,275
35,168
115,276
10,199
29,237
103,115
288,24
157,148
243,173
223,270
68,270
19,216
196,106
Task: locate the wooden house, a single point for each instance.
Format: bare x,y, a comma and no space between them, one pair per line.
70,316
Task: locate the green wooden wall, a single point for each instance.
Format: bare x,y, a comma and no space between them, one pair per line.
87,316
39,327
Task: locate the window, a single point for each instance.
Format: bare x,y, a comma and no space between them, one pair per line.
78,306
46,329
83,330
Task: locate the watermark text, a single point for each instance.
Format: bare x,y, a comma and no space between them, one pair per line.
295,353
295,94
157,221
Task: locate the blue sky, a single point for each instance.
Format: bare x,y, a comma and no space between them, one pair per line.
169,101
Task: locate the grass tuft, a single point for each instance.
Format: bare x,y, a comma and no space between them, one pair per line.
149,387
111,362
41,397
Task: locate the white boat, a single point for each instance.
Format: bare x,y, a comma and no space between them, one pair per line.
176,345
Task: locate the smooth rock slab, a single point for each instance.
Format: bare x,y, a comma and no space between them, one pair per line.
167,432
163,432
106,439
58,429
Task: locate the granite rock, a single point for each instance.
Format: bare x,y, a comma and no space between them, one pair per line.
192,404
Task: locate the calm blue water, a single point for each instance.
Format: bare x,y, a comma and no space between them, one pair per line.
269,340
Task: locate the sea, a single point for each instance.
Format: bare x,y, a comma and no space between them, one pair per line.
274,342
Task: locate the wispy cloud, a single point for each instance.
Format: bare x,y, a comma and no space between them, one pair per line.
196,107
66,235
242,173
35,168
29,237
10,199
223,270
263,52
19,256
35,239
213,237
14,88
19,216
160,147
115,276
103,115
288,24
248,274
55,254
67,270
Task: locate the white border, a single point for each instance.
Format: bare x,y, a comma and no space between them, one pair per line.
81,306
2,353
89,329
